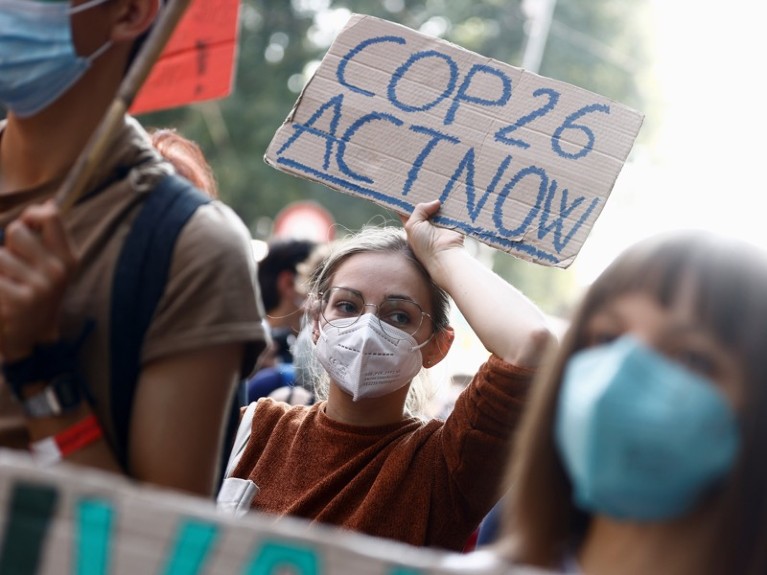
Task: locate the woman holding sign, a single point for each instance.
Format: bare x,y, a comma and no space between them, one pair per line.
643,447
361,459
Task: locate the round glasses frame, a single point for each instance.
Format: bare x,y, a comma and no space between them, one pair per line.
342,307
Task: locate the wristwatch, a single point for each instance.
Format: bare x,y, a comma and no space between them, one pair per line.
62,394
56,365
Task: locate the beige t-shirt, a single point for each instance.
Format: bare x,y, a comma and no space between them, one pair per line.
211,296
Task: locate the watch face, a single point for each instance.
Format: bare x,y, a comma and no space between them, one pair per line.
62,394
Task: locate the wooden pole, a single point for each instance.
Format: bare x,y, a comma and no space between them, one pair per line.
73,186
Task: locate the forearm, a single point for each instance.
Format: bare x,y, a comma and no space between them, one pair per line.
508,323
60,422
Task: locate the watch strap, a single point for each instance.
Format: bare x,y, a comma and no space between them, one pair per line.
46,362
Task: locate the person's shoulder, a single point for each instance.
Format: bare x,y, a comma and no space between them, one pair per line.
216,220
271,410
133,147
218,232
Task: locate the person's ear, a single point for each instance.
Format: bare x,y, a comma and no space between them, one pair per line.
438,347
315,329
133,18
313,313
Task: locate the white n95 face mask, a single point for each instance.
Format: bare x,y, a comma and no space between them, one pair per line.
366,362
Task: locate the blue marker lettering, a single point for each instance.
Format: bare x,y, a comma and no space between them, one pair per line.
341,70
502,135
351,130
436,137
400,72
564,213
463,91
498,211
335,103
569,124
467,165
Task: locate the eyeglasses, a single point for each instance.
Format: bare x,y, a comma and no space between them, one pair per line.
342,307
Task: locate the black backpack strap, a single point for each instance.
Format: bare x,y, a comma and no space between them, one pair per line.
139,282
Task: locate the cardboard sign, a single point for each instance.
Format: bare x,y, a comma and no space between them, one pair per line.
73,520
198,62
521,162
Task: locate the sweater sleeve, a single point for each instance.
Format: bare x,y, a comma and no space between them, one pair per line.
477,434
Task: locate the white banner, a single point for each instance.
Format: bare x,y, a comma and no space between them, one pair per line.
74,520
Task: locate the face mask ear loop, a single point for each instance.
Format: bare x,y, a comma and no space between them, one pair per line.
322,331
424,344
106,46
86,6
82,8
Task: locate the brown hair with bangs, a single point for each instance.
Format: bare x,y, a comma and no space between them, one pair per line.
541,525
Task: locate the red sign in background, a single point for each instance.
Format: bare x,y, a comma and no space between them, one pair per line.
304,220
198,61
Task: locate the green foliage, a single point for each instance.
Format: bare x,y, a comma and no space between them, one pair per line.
595,44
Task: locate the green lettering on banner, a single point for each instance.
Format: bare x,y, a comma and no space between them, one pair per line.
272,556
29,514
195,539
94,531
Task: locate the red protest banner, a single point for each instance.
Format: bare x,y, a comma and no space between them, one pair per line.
198,61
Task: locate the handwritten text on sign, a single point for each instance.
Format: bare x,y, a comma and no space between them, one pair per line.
521,162
72,520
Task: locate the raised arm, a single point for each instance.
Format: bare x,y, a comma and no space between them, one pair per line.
505,320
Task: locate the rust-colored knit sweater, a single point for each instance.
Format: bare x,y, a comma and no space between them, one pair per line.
423,483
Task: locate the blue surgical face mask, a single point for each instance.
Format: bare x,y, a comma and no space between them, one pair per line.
38,61
640,436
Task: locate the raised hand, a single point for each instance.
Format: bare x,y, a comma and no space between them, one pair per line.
426,239
36,264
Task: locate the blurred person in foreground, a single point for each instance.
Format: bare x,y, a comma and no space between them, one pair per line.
61,64
643,446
